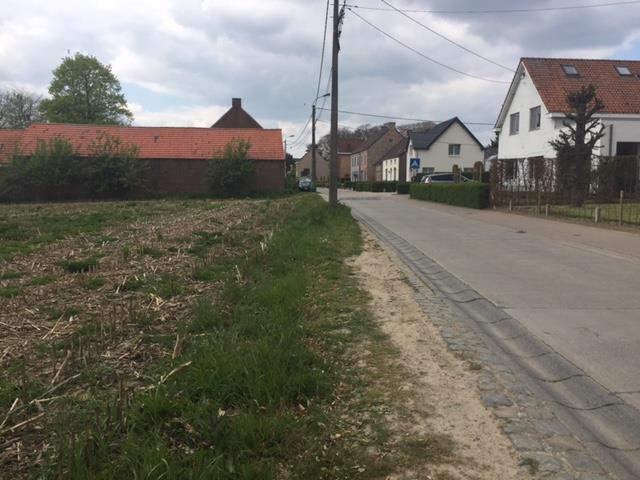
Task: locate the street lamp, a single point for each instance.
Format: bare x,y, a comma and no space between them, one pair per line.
313,138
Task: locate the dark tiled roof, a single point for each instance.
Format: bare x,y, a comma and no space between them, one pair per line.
396,150
371,139
424,140
160,142
620,94
236,117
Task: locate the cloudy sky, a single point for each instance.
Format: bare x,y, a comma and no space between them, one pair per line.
181,61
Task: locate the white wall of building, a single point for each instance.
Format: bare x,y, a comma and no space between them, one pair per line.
390,169
535,143
527,143
437,156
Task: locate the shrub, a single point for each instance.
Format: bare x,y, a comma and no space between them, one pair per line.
80,266
113,169
54,171
375,186
472,195
403,188
231,169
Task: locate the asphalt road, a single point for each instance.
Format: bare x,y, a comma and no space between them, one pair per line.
577,288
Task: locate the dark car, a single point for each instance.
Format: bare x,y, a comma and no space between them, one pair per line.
305,184
434,178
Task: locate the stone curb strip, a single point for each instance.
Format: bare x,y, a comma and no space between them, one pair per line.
563,423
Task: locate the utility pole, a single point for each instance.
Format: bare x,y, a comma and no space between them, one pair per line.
313,144
333,163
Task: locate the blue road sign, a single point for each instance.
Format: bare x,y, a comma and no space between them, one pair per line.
414,164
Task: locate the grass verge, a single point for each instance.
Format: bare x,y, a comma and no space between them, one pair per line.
249,394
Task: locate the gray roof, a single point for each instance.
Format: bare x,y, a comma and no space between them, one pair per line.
396,150
424,140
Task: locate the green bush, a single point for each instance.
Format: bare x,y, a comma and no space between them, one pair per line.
472,195
375,186
55,171
403,188
231,170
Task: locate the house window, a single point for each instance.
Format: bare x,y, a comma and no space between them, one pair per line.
570,70
454,149
514,123
428,170
623,70
535,115
511,169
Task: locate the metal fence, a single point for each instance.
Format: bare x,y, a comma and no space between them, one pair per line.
610,193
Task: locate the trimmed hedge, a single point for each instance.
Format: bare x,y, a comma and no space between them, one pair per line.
471,195
375,186
403,188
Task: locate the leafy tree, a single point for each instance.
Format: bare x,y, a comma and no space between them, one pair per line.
231,169
83,90
575,144
113,169
19,109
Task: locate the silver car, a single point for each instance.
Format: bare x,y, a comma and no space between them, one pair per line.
447,177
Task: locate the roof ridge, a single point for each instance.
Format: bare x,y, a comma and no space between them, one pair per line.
99,125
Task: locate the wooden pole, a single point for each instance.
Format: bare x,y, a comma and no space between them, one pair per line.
620,208
333,165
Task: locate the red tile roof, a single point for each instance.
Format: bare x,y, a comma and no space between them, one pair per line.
161,142
9,140
620,94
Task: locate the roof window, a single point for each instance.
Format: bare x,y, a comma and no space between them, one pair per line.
623,70
570,70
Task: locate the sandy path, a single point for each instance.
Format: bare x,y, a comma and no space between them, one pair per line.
442,392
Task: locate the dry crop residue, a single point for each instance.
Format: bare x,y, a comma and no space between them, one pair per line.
66,332
439,392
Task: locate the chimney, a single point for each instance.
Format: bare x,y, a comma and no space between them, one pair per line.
236,103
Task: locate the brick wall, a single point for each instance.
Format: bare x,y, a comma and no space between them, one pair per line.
190,176
378,149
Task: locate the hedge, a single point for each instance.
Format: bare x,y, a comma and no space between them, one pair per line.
375,186
403,188
472,195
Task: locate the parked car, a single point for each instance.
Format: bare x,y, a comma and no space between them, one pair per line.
305,184
434,178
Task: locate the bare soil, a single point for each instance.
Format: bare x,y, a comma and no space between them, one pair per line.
439,398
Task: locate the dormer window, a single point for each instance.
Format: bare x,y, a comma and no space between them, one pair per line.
623,70
570,70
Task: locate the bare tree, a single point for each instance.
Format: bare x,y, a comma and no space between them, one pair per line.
19,109
575,144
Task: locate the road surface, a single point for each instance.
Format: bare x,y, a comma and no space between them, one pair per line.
574,287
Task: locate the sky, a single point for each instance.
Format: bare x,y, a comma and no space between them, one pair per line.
181,61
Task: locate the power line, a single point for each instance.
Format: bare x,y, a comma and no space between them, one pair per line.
417,52
324,42
509,10
299,137
404,118
447,38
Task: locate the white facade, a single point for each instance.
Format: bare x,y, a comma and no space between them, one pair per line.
442,155
391,169
534,142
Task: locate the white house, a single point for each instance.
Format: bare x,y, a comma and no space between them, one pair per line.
394,162
533,112
439,149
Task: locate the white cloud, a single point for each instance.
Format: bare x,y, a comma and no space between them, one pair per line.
200,53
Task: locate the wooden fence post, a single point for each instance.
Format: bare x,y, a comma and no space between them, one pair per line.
546,210
596,215
539,201
511,205
620,209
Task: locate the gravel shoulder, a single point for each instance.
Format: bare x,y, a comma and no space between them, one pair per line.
441,387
